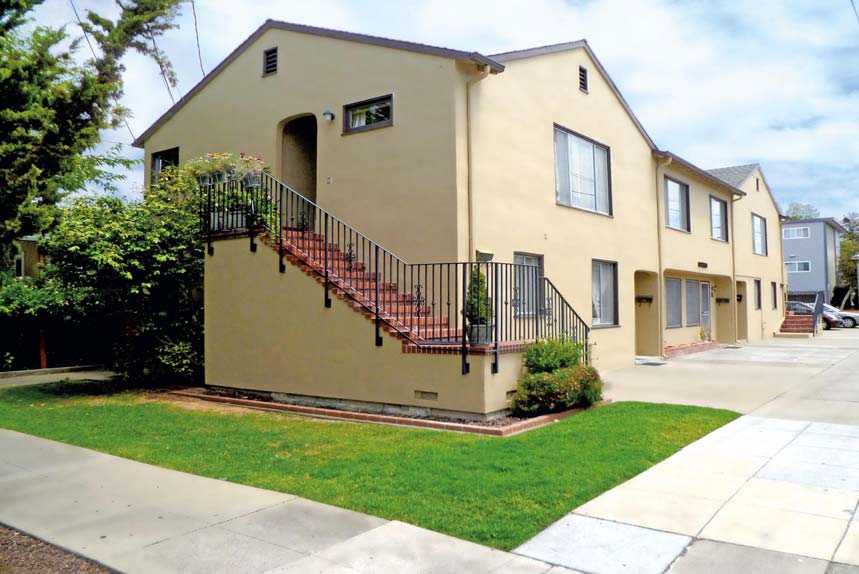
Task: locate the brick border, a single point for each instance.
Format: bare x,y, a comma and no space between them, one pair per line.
505,431
672,351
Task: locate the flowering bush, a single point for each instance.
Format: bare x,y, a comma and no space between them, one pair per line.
561,389
248,165
212,163
551,354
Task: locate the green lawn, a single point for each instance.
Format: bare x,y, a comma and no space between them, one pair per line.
495,491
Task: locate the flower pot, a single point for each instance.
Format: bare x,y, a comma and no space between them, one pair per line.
480,335
204,179
219,177
252,180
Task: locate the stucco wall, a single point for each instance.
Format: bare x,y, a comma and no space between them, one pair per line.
398,185
811,249
270,331
514,185
750,266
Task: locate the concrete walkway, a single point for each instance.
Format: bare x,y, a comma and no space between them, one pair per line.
139,518
38,378
774,492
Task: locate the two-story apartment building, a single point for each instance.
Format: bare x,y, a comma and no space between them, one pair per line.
530,162
811,252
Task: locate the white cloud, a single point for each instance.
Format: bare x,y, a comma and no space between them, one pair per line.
719,82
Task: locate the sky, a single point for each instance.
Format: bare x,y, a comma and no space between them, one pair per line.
719,83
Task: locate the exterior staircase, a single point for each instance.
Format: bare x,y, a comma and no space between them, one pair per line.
462,307
795,323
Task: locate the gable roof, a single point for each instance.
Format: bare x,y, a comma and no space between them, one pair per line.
734,175
705,174
566,46
494,66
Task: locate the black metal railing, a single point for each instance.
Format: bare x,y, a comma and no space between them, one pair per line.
819,300
463,304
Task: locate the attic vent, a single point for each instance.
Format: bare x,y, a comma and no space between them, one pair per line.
757,184
269,61
583,79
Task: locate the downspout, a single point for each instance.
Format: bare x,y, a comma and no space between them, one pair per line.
483,71
734,304
661,162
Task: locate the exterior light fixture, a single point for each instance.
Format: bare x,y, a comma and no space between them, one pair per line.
328,115
484,256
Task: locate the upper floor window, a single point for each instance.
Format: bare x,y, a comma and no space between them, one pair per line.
582,169
269,61
676,204
798,266
163,158
604,292
528,282
583,78
796,233
368,114
759,235
718,219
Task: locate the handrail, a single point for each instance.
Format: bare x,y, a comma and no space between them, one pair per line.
460,305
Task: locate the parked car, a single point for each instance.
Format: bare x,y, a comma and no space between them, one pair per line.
830,320
848,318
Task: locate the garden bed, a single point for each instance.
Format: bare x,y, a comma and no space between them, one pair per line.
501,426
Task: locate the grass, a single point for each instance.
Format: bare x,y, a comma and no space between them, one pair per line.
495,491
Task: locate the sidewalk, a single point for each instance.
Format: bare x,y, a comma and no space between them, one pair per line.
139,518
39,376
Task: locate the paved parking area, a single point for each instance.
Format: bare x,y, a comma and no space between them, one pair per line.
774,492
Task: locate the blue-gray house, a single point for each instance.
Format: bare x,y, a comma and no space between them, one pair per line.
811,249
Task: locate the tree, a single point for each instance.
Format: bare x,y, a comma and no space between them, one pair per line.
53,109
802,211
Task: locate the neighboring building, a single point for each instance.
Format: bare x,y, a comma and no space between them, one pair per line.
531,158
29,260
811,251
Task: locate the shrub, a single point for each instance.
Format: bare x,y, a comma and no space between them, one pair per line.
552,354
478,303
562,389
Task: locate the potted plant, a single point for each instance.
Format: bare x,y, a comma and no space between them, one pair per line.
250,170
478,309
211,168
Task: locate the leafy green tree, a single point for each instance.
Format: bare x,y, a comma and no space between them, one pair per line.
53,109
802,211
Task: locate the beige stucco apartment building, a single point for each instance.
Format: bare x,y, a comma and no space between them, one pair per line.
530,158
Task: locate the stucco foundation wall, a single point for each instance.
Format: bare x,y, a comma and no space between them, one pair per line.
270,331
515,209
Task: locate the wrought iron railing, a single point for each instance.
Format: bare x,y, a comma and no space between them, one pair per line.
462,305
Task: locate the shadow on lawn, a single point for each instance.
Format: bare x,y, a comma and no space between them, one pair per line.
68,389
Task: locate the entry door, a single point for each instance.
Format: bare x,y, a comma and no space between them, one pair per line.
705,308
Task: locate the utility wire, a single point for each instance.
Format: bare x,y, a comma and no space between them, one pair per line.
161,66
197,36
855,11
91,49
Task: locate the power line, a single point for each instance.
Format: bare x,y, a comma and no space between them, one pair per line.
157,56
91,49
855,11
197,36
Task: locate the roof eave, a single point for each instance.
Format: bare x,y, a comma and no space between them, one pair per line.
664,154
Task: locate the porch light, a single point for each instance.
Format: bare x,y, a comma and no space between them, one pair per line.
328,115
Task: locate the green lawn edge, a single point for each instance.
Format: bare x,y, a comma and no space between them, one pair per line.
494,491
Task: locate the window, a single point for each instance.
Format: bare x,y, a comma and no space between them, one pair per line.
582,169
604,293
693,302
269,61
676,204
674,302
368,114
583,79
757,293
718,219
163,158
527,284
757,184
759,235
774,290
798,266
796,233
19,265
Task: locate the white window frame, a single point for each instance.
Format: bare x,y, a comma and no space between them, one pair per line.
571,188
786,235
723,219
668,302
793,266
684,212
763,235
597,288
527,303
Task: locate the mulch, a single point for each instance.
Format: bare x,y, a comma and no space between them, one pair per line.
21,554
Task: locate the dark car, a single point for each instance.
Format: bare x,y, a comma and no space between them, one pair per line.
829,320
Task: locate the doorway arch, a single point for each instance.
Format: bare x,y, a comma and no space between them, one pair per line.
298,155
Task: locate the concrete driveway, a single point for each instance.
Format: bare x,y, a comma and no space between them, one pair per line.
774,492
